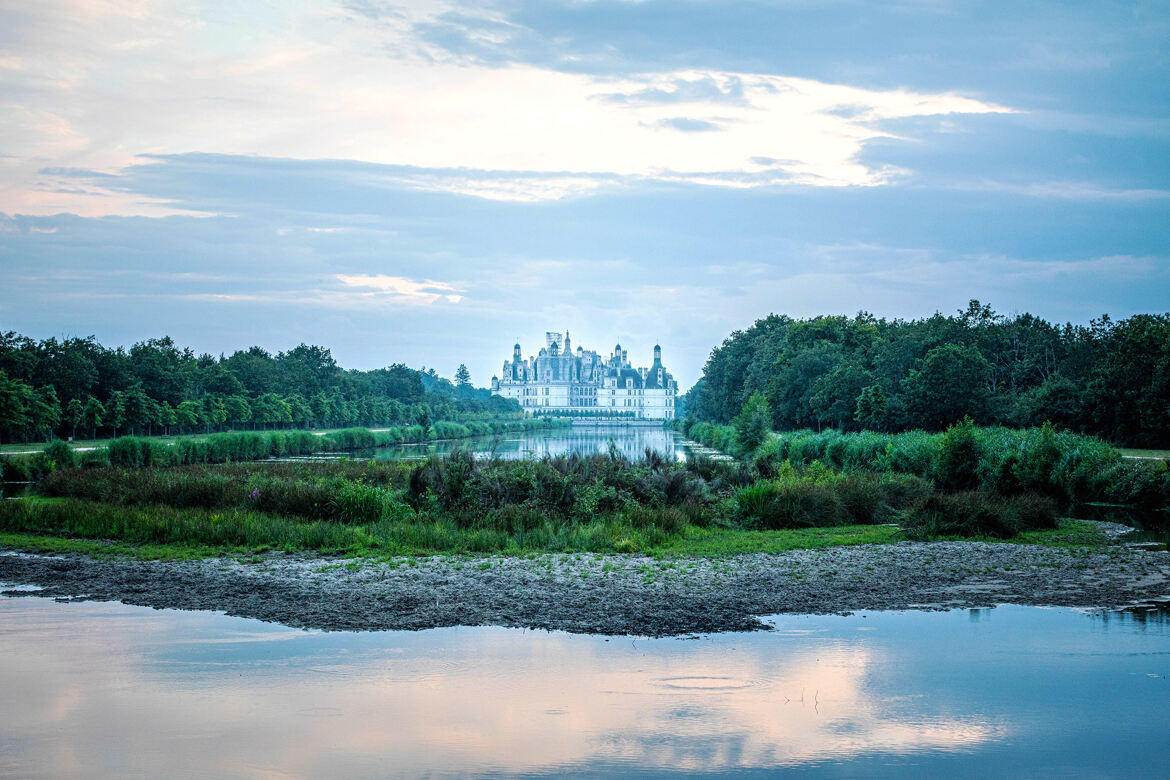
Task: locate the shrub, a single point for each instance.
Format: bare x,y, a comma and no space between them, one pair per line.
773,504
1142,482
125,451
956,465
977,513
354,502
753,423
23,468
94,458
60,455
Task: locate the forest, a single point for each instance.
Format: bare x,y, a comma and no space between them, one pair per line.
1108,378
77,387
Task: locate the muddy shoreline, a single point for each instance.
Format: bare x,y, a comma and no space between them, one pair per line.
606,594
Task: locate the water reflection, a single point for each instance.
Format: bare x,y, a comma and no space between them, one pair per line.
109,690
631,441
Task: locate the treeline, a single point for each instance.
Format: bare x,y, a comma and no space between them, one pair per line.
1110,379
78,387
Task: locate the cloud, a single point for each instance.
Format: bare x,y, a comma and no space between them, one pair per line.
714,88
400,289
1066,190
360,82
688,125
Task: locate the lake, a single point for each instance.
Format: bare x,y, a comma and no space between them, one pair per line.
108,690
632,441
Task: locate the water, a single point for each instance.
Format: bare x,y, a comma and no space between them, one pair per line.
107,690
631,441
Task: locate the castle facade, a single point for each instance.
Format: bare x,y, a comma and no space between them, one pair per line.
583,383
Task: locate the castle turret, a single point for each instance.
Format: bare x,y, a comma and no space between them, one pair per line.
516,353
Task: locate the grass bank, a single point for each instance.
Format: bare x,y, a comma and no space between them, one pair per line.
158,533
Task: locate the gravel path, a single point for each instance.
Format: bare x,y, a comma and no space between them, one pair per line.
607,594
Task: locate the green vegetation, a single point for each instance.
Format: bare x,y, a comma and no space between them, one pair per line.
1110,379
77,386
1066,467
459,504
132,451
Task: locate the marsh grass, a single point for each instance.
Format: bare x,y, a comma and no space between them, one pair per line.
1067,467
596,503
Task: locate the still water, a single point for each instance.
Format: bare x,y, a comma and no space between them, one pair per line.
107,690
631,441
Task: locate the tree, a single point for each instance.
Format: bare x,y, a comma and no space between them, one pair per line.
237,410
270,408
92,415
15,403
422,416
74,414
137,408
215,412
951,382
462,376
397,381
301,412
116,411
871,409
753,423
45,411
834,396
322,409
188,414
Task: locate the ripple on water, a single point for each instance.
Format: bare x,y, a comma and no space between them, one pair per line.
704,683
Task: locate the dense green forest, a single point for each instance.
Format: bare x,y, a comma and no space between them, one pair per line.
1111,379
77,387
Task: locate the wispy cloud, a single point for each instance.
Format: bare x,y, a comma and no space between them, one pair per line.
401,289
319,84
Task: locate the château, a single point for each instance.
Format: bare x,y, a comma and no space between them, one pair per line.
558,381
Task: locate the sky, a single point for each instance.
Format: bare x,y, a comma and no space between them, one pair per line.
430,182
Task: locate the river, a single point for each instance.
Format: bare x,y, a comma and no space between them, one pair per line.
630,441
108,690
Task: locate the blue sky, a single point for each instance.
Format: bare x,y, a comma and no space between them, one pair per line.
427,182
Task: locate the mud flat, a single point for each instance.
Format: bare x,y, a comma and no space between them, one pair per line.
605,594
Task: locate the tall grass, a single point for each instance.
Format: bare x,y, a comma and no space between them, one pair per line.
138,452
1066,467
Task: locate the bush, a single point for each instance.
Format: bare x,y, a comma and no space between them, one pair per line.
349,439
977,513
753,423
125,451
90,459
774,504
959,454
60,455
23,468
1145,483
354,502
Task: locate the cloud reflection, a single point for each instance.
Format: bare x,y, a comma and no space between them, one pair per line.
119,690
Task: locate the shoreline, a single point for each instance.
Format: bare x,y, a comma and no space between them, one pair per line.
604,593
